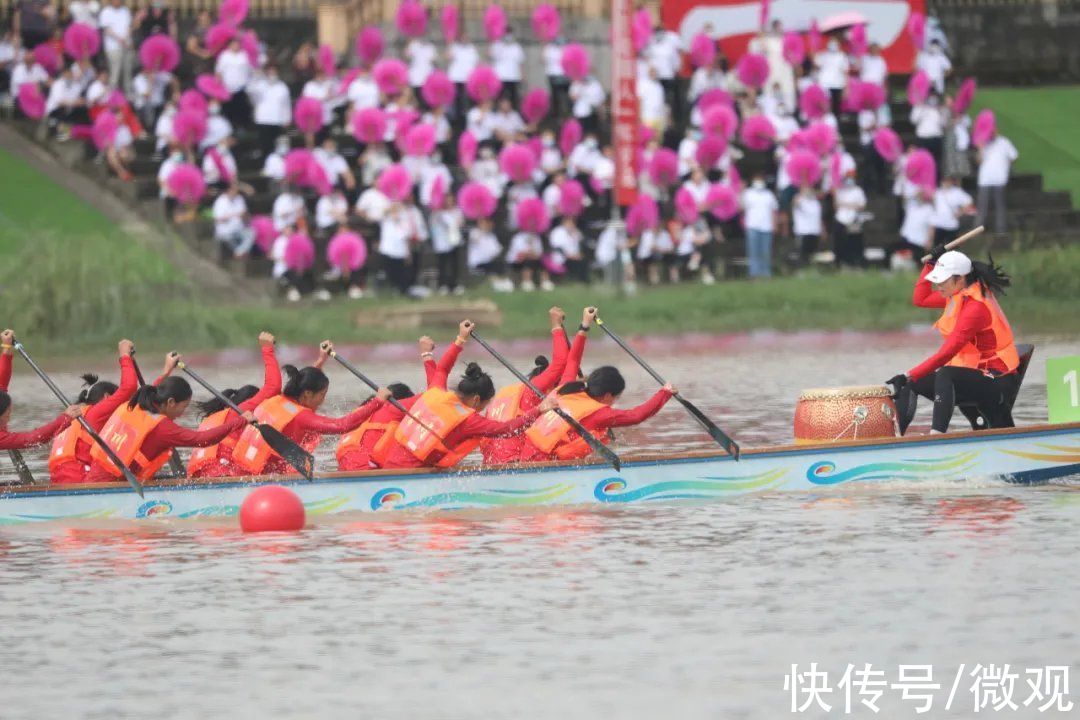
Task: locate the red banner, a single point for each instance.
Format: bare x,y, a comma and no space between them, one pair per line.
735,22
624,102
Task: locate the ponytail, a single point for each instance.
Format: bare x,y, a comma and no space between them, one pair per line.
213,405
93,391
151,397
476,382
541,365
309,379
604,380
992,278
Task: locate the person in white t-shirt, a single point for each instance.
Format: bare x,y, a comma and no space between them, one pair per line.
447,239
115,21
652,104
84,12
233,68
26,71
655,251
372,205
849,205
587,97
273,106
832,68
930,120
917,232
479,121
288,210
331,213
484,255
950,204
664,54
505,122
231,227
336,167
806,222
558,83
421,56
936,64
995,160
523,256
148,92
274,165
462,58
872,67
508,57
567,240
760,209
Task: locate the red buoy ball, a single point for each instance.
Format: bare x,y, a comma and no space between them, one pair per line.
271,508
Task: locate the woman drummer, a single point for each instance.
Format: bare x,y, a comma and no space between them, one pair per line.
977,361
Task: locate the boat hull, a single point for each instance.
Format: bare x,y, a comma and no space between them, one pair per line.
1030,455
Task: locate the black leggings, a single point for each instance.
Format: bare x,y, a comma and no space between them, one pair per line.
949,385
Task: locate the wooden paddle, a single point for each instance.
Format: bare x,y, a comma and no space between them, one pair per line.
298,457
717,434
21,468
974,232
128,475
175,463
607,453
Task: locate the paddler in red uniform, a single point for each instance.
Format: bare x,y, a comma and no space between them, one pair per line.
293,414
589,402
977,361
356,450
143,433
30,438
216,460
446,425
517,399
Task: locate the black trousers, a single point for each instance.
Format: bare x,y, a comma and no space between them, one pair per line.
398,272
449,264
942,236
950,385
510,91
560,96
935,146
237,110
268,135
848,246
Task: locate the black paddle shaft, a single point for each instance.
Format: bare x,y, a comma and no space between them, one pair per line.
128,475
21,468
298,457
175,463
710,427
607,453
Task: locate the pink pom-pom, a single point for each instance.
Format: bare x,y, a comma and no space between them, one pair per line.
645,135
411,19
888,144
814,40
104,130
299,252
450,21
249,43
535,105
713,97
984,129
916,27
822,138
643,215
116,99
347,80
964,96
317,179
211,87
186,184
641,29
804,168
546,23
763,15
31,101
189,127
532,215
438,192
327,60
702,50
733,177
921,169
709,150
193,101
46,56
233,12
420,140
369,45
494,23
686,208
298,164
517,162
438,90
918,88
834,170
575,61
753,70
794,48
346,251
757,133
483,85
814,102
719,120
81,41
476,201
722,201
569,136
308,114
401,121
571,198
395,182
391,75
219,36
263,227
159,53
857,43
865,95
664,167
369,125
466,149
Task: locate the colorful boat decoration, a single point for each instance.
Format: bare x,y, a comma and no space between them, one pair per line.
1031,455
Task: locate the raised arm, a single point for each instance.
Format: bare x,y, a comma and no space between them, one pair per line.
547,380
99,413
577,349
7,342
271,374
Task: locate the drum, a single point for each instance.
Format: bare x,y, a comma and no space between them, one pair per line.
845,413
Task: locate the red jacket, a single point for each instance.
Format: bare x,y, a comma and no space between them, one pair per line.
22,440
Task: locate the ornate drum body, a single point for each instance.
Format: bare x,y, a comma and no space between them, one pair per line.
845,413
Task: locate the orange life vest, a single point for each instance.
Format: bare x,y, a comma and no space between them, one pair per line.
439,412
64,445
124,434
550,432
251,451
201,457
969,355
504,407
351,440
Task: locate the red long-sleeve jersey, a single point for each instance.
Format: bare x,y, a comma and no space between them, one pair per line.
5,370
22,440
308,424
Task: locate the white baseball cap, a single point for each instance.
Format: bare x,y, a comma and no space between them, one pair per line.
949,264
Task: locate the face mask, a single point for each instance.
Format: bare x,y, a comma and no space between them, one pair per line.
932,102
178,157
849,181
548,142
437,158
282,148
591,143
215,109
759,184
833,45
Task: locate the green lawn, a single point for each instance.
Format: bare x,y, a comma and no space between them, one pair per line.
1042,123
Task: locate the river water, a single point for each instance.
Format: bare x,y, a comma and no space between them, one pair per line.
681,611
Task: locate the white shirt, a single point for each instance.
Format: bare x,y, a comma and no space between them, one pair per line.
323,91
229,215
651,101
483,248
395,231
929,121
654,242
588,95
582,159
442,127
522,244
123,137
446,230
116,27
274,167
550,160
759,208
463,60
332,163
217,129
663,54
149,90
163,128
480,123
832,69
704,79
507,58
22,74
873,69
165,171
806,214
916,227
329,208
210,169
372,204
566,242
948,203
997,156
234,67
363,92
850,200
428,175
421,56
552,56
603,172
85,12
936,65
607,246
62,92
273,102
508,123
288,209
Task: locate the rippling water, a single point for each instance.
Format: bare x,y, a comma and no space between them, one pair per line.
683,611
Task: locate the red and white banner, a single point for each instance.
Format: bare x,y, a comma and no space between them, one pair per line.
624,102
735,22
